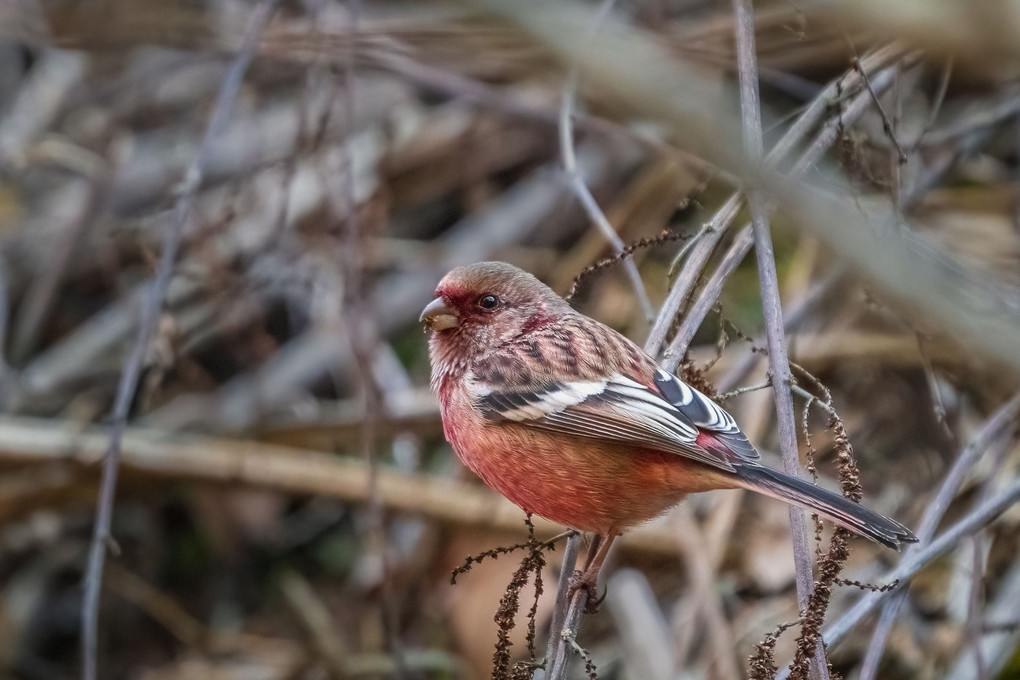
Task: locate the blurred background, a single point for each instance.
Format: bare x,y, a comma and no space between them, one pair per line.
287,506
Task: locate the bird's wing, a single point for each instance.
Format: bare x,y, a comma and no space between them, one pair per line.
669,415
710,418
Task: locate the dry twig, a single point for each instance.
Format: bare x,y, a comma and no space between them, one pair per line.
779,366
577,184
974,521
993,429
146,329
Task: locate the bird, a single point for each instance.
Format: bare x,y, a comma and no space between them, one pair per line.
572,421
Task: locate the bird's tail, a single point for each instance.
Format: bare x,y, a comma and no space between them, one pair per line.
840,510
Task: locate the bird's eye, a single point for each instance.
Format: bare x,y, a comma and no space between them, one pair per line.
488,301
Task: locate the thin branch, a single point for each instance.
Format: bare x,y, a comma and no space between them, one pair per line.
742,390
665,236
747,67
742,244
807,121
982,114
936,106
728,212
887,125
993,428
938,404
5,309
929,177
581,190
813,399
1016,171
683,252
566,636
978,570
688,277
879,60
917,560
997,640
706,301
882,629
153,303
313,11
856,107
554,650
795,314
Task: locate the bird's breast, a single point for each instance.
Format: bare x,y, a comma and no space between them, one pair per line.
584,483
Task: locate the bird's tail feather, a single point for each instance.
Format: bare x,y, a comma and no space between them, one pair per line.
840,510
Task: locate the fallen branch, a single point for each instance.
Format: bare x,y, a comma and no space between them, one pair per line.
288,470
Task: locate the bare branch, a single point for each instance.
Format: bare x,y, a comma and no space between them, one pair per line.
741,245
556,651
912,563
994,642
153,303
156,455
887,125
5,308
581,190
747,67
807,121
706,301
566,636
936,106
936,510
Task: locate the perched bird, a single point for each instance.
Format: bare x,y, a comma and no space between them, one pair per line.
573,422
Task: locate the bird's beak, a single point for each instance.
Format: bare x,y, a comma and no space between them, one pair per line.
438,316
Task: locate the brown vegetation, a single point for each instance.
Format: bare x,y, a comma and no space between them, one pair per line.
219,222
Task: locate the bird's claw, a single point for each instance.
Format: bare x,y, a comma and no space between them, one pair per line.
588,583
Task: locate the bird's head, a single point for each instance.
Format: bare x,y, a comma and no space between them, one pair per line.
489,303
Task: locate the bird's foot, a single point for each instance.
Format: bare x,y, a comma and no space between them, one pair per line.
589,583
